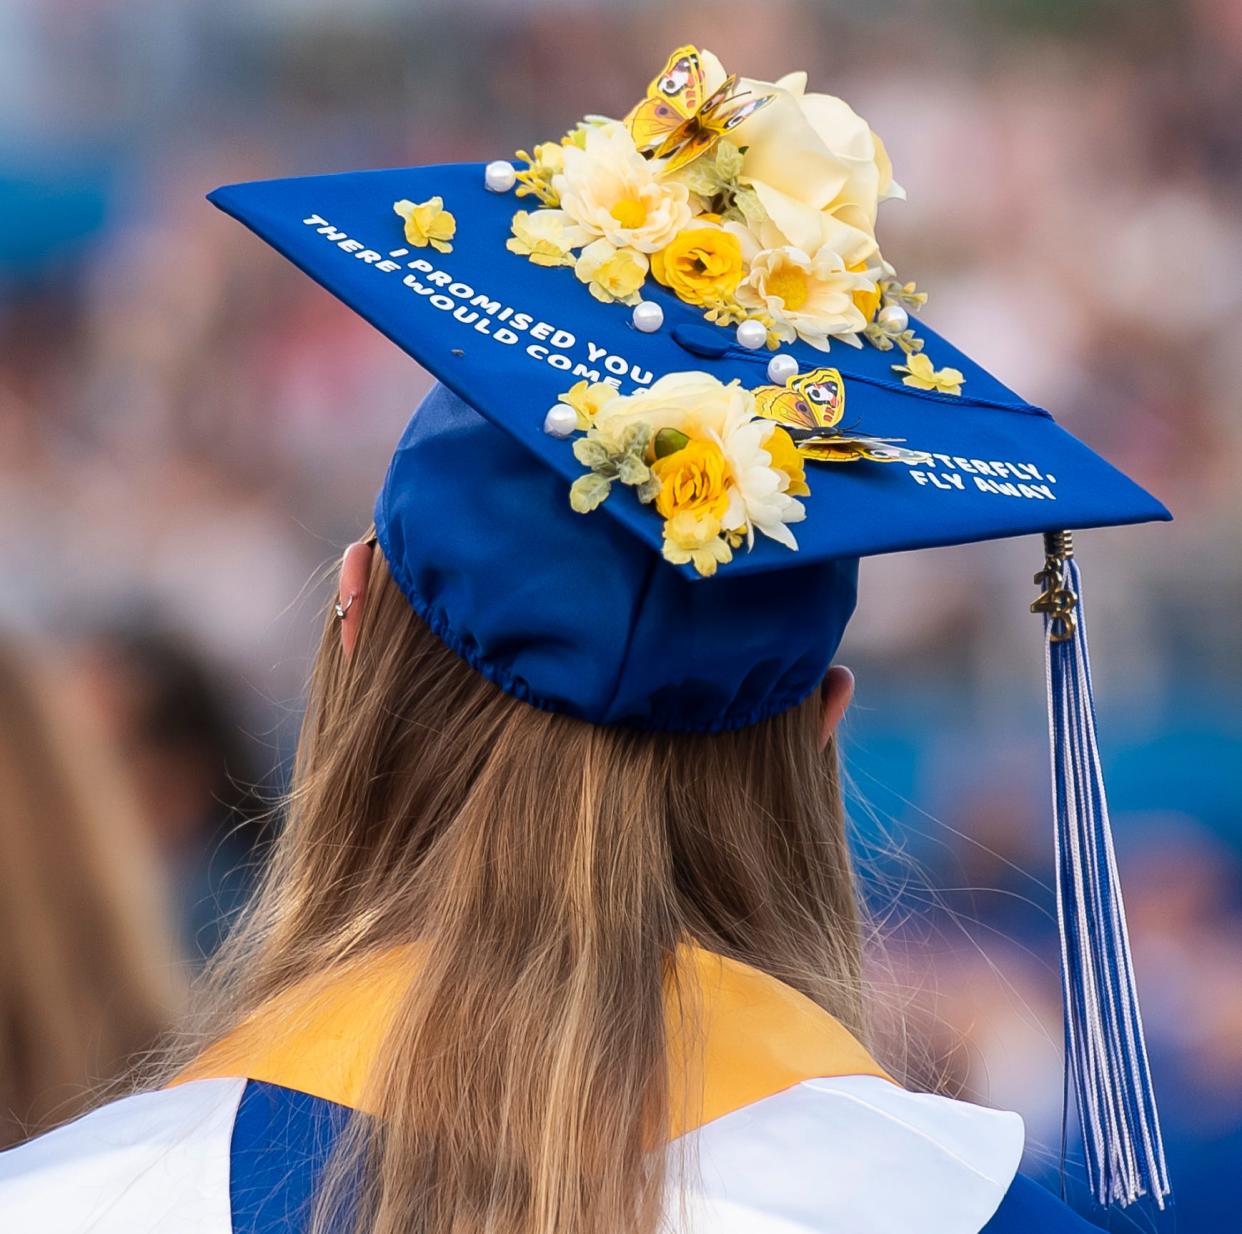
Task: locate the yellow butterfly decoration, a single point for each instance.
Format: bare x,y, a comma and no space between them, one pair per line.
812,404
675,122
839,448
813,400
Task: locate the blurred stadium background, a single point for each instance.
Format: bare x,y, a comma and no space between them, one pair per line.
190,430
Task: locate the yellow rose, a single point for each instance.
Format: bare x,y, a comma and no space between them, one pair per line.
702,265
612,273
427,222
708,410
693,480
785,457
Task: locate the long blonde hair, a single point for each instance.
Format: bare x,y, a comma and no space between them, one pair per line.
88,967
549,869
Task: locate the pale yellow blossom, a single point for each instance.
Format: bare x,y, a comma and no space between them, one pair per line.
587,399
547,237
694,539
427,222
922,374
612,273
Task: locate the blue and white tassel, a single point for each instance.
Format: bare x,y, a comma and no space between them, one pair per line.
1106,1056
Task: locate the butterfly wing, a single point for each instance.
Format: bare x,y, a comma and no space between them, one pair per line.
680,150
722,113
838,448
729,113
655,123
785,406
673,97
824,392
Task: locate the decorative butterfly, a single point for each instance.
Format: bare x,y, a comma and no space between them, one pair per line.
812,403
839,448
813,400
674,122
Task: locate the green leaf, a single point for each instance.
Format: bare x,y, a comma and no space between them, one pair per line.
589,452
633,470
701,177
649,490
669,441
587,492
728,161
634,438
747,201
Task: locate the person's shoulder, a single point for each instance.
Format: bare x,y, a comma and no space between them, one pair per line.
852,1155
151,1162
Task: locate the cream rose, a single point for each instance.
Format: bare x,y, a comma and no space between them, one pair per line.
816,166
703,407
611,190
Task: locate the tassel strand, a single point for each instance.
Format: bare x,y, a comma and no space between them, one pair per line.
1106,1054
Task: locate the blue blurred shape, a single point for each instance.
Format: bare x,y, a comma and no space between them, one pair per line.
51,212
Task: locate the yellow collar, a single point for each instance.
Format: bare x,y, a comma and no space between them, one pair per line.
753,1037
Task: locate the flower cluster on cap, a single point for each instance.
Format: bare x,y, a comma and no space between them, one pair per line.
766,213
693,447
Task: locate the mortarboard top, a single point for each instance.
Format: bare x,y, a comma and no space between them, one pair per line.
625,258
999,467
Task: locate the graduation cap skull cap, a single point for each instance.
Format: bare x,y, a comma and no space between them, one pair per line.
680,394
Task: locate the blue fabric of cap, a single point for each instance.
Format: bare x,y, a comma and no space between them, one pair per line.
575,614
580,613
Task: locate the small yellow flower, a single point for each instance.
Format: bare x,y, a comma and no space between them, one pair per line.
546,237
702,265
785,457
547,160
922,374
427,222
612,273
694,479
586,398
691,539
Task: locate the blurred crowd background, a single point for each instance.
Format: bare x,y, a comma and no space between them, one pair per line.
190,430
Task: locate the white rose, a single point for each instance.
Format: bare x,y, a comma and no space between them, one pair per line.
609,188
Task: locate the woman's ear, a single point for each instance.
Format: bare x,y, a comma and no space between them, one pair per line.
838,689
352,592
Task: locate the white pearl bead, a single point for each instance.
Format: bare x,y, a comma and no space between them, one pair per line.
752,335
781,368
500,176
892,319
561,421
648,316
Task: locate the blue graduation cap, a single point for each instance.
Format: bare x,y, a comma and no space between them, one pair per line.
640,490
